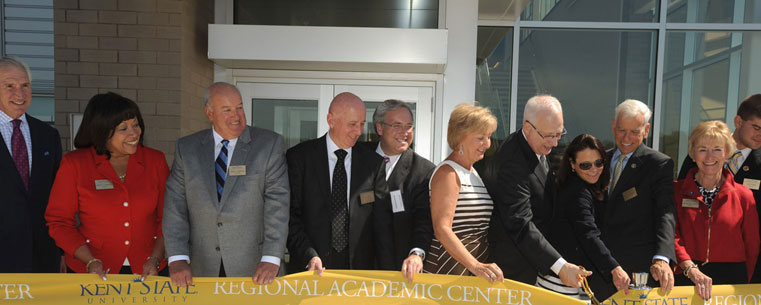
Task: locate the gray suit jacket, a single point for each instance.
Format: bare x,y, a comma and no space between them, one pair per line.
249,221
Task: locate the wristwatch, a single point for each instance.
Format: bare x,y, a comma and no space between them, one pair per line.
418,252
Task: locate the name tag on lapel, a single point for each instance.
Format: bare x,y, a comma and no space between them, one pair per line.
236,170
104,184
752,184
630,194
367,197
690,203
397,203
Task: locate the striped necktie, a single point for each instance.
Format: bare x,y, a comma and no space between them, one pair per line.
220,169
733,163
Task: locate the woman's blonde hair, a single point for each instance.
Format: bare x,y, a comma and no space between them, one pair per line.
469,119
712,131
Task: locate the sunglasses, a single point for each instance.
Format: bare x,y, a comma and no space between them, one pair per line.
587,165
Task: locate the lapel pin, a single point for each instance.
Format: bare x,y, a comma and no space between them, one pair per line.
746,168
634,165
46,153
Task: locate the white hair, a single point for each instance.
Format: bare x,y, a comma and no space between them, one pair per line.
631,108
539,103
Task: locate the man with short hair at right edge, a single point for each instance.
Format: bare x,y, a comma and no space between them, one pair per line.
637,222
745,162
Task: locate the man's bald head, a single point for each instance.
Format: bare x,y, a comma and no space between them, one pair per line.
346,118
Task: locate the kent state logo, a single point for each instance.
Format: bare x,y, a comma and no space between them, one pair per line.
136,292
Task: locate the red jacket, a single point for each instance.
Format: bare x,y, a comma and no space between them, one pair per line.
733,223
118,222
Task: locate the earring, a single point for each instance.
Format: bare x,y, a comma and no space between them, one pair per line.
460,152
573,169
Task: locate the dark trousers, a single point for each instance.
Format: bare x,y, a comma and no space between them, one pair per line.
338,260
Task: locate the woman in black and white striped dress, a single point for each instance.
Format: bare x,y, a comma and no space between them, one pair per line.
460,205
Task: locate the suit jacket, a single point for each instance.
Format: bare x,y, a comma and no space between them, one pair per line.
574,232
523,208
750,169
309,228
412,227
22,222
119,222
250,220
641,227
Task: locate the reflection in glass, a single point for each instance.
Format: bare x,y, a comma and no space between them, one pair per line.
295,120
706,75
590,72
350,13
493,81
592,10
714,11
369,134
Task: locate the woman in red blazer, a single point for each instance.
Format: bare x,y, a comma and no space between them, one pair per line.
107,199
717,239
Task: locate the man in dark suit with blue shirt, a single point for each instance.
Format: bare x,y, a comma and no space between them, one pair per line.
746,160
637,222
29,158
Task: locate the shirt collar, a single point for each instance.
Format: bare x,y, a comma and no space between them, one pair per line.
745,152
618,152
5,118
538,156
380,151
218,138
332,147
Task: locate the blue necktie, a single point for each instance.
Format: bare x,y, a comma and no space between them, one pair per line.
220,169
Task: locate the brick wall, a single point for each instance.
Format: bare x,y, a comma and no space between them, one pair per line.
197,70
136,48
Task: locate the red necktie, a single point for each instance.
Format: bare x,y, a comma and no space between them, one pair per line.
20,157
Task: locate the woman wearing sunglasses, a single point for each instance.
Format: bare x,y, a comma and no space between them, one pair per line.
716,220
582,180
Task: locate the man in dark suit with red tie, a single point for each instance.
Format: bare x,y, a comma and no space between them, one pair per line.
30,154
335,186
745,162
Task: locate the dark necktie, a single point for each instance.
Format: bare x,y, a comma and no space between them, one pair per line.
338,206
20,154
220,169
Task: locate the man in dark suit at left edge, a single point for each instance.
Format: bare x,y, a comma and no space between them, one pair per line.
29,158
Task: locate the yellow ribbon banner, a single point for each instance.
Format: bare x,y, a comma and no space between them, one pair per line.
334,287
686,295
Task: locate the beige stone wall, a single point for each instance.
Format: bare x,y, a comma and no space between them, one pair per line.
197,70
150,51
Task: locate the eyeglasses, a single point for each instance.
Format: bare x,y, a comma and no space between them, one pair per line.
400,127
556,136
587,165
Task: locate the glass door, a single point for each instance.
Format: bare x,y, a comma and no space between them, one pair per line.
299,111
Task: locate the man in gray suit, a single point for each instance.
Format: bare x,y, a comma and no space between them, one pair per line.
227,218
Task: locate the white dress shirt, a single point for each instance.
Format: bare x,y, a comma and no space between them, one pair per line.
333,159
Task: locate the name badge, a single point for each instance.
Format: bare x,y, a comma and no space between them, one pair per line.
236,170
690,203
630,194
752,184
397,203
104,184
367,197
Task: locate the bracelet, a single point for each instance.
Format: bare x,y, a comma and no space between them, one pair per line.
158,261
687,270
87,267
